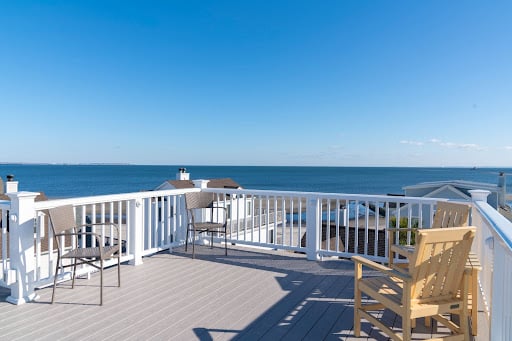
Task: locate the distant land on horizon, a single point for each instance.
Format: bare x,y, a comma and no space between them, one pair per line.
207,165
67,163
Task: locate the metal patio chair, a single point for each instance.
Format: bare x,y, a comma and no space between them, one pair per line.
80,245
435,283
205,215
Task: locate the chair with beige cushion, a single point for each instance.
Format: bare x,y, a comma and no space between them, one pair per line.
204,214
80,245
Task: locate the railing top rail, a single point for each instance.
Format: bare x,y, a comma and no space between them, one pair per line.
41,205
501,226
361,197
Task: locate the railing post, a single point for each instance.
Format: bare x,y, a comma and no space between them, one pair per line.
21,275
313,228
136,231
495,256
479,194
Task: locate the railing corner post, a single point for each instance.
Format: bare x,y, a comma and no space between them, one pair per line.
21,247
313,228
136,231
479,194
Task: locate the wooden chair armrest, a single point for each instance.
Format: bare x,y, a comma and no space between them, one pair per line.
404,229
382,268
402,250
394,230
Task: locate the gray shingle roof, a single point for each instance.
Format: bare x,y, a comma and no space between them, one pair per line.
213,183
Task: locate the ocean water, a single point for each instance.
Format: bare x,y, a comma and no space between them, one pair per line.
62,181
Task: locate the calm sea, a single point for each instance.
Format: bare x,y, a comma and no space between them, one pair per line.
60,181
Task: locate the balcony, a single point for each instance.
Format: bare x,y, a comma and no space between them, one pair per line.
287,274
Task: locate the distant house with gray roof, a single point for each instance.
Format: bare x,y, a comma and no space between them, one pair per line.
459,190
212,183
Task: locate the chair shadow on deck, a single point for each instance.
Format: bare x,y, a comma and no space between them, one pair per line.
317,305
317,294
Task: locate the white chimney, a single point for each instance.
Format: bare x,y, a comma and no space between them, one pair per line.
182,174
11,186
200,183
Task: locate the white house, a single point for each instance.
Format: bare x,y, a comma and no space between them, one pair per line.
459,190
244,216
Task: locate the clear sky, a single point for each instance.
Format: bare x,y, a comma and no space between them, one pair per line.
337,83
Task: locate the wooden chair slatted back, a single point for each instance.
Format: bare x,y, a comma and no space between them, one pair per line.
450,214
438,263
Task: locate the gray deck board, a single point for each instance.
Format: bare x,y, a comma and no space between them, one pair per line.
248,295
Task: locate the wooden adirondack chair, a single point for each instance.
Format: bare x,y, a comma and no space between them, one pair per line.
448,214
436,282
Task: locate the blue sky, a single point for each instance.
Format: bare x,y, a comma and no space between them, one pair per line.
336,83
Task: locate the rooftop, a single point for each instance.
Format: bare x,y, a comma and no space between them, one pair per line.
251,294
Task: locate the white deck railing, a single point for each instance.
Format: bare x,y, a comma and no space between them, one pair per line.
493,245
4,220
317,224
321,224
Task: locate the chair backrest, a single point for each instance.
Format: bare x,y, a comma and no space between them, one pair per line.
62,218
199,200
450,214
438,263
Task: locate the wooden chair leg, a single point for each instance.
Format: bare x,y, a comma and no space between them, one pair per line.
428,321
406,328
473,283
464,323
357,300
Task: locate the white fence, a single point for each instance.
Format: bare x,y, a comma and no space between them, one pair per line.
493,246
321,224
4,220
317,224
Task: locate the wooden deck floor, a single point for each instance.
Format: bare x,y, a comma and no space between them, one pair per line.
248,295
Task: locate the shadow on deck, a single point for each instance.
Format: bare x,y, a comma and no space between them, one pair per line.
248,295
